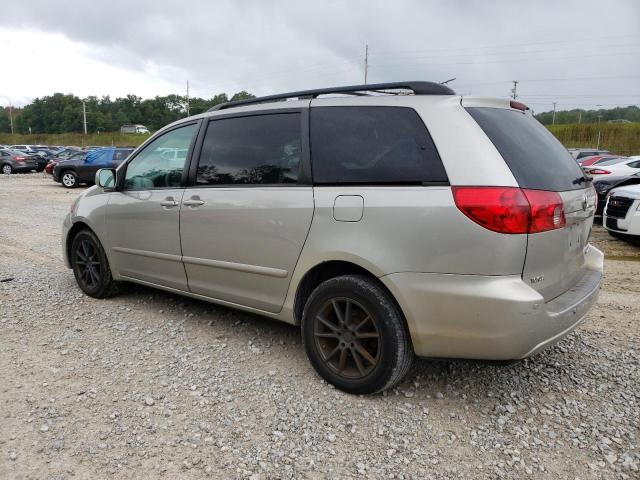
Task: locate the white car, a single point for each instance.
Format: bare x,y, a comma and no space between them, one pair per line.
627,167
621,215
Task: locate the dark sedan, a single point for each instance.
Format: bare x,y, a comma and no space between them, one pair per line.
82,169
12,161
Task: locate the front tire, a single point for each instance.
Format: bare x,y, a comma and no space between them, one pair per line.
91,267
69,179
355,336
7,169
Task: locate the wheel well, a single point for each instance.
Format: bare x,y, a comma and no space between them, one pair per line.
320,273
73,231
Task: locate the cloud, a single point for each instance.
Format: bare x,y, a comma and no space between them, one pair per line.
265,47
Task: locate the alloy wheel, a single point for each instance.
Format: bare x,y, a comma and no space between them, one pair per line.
347,338
6,169
88,264
68,179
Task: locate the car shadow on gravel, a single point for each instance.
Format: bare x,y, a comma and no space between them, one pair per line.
200,310
531,378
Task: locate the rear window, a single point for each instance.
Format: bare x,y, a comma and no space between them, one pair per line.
372,145
537,160
611,161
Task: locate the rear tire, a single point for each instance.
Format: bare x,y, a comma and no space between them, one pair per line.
7,169
69,179
91,267
355,335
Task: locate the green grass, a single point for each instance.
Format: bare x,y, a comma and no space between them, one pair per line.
620,139
104,139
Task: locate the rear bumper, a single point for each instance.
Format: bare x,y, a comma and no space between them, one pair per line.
24,168
489,317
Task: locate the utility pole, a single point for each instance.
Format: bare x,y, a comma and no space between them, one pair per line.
514,89
11,118
188,105
366,62
553,120
84,117
580,116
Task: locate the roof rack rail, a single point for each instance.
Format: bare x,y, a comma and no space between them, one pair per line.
418,88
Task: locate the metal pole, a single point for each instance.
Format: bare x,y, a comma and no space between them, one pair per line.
366,62
553,120
188,106
598,145
515,88
84,117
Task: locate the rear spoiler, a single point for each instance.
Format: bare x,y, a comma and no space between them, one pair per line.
491,102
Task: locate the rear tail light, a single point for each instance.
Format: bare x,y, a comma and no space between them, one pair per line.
511,210
597,171
547,210
19,159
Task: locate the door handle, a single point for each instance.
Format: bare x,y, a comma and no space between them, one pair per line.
194,202
169,202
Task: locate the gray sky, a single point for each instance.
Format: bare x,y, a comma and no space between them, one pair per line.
577,53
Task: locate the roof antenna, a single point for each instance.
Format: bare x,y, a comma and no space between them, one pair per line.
447,81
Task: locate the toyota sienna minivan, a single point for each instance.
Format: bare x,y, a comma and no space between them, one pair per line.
387,221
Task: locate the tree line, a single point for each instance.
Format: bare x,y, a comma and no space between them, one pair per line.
62,113
578,115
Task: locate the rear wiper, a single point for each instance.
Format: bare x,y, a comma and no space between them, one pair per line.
580,180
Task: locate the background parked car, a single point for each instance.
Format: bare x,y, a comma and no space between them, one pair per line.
586,161
620,217
605,183
82,169
12,161
23,148
628,166
579,153
67,154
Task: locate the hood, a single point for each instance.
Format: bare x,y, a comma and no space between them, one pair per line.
629,191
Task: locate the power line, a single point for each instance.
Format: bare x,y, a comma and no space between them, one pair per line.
507,62
472,52
549,42
564,79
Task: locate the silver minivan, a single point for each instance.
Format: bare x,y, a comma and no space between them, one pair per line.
386,220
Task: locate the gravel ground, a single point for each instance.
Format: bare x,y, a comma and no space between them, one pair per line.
152,385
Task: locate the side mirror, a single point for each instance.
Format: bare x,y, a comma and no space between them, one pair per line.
106,178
